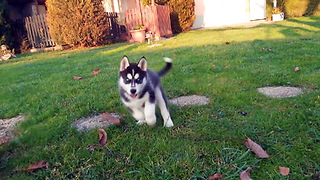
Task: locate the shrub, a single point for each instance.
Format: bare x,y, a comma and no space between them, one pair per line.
5,29
182,15
77,22
295,8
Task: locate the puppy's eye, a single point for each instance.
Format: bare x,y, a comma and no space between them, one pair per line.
139,80
127,81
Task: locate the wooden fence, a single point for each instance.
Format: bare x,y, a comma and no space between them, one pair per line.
38,32
35,28
155,18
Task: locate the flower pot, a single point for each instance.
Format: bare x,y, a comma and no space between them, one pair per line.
138,35
278,17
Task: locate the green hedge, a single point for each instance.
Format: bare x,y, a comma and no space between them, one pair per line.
77,22
295,8
6,36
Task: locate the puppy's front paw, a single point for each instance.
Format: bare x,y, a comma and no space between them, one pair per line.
141,123
169,123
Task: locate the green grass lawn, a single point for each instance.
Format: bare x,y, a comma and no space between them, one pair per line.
205,139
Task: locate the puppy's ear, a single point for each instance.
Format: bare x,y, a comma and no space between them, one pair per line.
143,64
124,63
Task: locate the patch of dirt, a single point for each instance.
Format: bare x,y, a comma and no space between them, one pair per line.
8,125
91,122
192,100
280,91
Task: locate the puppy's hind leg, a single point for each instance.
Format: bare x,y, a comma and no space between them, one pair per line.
162,102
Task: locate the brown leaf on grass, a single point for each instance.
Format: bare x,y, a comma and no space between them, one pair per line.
245,175
102,137
4,140
112,119
77,77
256,148
96,71
36,166
284,171
216,176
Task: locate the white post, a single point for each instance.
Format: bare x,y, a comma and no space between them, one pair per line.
274,3
116,6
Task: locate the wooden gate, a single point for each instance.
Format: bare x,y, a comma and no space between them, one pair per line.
155,18
38,32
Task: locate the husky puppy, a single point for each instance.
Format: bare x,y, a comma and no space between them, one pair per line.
140,90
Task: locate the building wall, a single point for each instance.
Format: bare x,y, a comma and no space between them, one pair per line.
25,10
217,13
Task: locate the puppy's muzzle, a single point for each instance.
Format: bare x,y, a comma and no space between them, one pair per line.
133,93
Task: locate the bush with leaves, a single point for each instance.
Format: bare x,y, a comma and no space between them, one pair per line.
77,22
6,37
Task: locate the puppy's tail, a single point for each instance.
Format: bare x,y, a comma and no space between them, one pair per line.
167,68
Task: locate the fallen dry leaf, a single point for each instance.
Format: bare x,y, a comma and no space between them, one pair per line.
4,140
296,69
245,175
284,171
216,176
96,71
36,166
112,119
77,77
256,148
213,66
102,137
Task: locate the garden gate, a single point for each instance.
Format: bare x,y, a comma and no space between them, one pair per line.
155,18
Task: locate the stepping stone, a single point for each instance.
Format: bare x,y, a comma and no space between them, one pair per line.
91,122
8,125
192,100
280,91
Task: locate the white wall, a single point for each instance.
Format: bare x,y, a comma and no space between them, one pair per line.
215,13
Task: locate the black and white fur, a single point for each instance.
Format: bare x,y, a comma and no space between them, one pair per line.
140,90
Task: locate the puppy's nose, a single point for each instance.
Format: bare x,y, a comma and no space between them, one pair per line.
133,91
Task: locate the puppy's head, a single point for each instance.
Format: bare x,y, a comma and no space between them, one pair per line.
132,76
